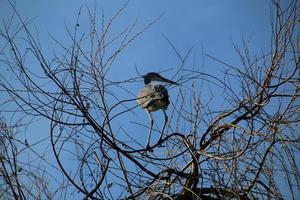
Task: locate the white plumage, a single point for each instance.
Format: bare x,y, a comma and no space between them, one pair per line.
153,97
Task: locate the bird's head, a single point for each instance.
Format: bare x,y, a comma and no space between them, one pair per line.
153,76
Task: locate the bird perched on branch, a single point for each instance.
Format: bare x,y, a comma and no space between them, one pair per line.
154,97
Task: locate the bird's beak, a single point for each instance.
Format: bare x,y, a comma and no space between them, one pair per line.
167,80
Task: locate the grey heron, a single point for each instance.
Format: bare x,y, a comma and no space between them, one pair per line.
154,97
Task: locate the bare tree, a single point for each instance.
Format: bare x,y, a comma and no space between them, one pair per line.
246,150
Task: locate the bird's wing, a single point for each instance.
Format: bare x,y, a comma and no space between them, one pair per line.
151,93
163,92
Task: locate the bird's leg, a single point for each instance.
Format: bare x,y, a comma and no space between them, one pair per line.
164,126
150,129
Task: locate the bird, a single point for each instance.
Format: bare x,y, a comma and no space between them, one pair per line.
153,97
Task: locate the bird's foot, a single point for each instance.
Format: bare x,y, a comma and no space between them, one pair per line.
148,148
160,143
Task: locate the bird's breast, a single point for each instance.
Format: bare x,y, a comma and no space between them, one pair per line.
153,97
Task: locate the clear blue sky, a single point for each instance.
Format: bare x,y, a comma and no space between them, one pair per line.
208,25
211,25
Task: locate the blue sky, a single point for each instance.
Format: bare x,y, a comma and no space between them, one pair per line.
211,25
206,25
